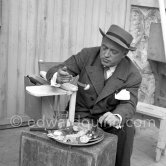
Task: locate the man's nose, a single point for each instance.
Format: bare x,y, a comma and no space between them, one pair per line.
107,54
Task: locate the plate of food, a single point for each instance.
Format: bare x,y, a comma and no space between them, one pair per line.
78,135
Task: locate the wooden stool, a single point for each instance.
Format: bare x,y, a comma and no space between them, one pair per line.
158,113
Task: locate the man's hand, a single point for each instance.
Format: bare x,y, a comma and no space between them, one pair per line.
63,76
109,119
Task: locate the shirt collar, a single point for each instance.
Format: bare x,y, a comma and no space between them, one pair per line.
111,68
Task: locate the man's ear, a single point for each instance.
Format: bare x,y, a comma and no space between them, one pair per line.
125,52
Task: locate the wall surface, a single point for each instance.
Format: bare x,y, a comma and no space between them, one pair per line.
140,15
141,19
51,30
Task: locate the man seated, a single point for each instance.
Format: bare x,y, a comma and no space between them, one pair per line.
114,82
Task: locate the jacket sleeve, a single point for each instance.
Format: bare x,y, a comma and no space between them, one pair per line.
74,64
127,108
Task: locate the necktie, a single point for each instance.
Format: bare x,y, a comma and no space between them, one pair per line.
105,72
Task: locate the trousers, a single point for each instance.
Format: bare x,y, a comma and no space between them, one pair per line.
125,143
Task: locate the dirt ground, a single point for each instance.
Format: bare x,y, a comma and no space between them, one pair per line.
143,152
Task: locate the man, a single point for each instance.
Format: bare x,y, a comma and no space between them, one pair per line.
114,83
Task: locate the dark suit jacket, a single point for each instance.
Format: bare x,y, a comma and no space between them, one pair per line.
100,98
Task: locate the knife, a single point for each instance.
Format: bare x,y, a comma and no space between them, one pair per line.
42,129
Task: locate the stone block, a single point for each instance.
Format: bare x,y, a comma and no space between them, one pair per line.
36,149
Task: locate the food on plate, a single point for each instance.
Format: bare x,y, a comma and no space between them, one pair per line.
75,128
57,133
57,137
84,139
76,134
60,137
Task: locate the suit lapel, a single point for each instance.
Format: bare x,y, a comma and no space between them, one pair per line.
116,81
95,73
96,76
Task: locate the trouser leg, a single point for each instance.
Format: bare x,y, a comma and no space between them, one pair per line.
125,144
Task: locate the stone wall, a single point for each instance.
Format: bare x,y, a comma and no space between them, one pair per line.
141,19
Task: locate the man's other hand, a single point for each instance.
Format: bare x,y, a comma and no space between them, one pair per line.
63,76
109,119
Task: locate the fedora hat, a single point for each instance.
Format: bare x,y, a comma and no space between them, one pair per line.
119,36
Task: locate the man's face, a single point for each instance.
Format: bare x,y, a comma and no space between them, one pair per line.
111,53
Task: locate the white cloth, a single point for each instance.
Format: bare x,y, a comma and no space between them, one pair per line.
53,80
123,95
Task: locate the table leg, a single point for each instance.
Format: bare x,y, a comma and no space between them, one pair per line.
161,139
47,107
72,107
164,151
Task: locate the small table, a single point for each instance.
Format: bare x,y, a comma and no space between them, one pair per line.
36,149
47,90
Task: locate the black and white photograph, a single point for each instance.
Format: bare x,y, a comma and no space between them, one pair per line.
82,82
